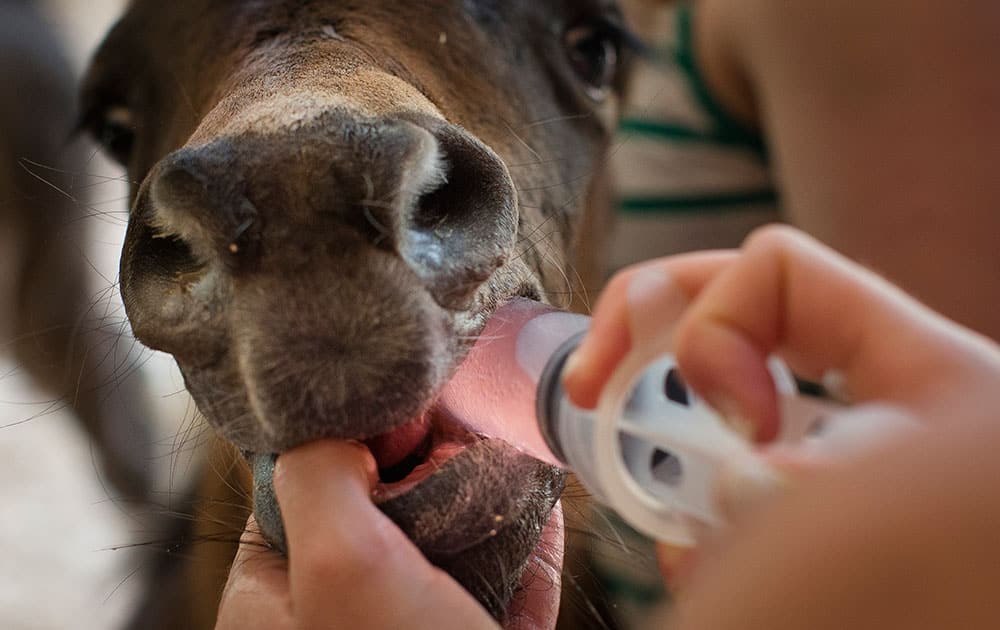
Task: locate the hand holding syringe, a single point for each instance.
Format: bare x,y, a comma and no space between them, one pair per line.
652,450
665,458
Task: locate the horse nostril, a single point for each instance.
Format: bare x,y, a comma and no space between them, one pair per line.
193,203
159,272
456,235
171,253
423,190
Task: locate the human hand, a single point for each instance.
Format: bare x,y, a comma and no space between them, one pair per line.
348,566
923,503
786,294
724,313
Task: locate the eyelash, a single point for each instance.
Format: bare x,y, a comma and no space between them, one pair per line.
595,49
628,40
115,137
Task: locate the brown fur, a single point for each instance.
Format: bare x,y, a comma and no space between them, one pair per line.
334,197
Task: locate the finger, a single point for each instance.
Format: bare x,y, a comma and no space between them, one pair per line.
823,314
640,302
257,588
350,566
867,545
745,486
676,565
337,540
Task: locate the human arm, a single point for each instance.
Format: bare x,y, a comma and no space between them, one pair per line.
881,122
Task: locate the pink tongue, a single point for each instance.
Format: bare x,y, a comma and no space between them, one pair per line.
494,391
393,447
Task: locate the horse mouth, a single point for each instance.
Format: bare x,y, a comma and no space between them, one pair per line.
476,507
411,454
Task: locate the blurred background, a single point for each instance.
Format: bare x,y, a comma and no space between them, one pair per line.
73,529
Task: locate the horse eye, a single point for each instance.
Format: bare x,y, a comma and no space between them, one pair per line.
593,52
115,131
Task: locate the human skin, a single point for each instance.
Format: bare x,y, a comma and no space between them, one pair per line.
881,129
348,565
903,536
880,119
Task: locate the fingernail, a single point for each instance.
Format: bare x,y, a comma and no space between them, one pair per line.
573,364
743,427
277,465
369,466
733,417
575,374
655,302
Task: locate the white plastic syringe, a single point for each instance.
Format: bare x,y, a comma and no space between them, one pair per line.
651,450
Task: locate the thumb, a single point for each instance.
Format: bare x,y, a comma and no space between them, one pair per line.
349,565
853,432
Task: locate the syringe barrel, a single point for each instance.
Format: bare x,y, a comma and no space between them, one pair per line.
568,430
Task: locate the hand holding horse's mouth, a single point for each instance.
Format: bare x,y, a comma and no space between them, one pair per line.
535,601
336,536
444,487
350,567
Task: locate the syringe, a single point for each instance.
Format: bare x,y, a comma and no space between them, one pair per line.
652,450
